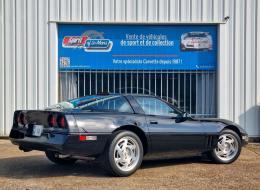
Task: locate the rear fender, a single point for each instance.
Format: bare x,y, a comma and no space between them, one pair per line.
140,133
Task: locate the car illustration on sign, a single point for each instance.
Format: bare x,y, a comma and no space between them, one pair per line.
119,130
196,41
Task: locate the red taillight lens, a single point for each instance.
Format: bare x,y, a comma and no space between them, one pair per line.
52,120
61,121
22,119
82,138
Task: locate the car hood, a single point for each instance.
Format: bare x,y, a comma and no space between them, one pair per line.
225,121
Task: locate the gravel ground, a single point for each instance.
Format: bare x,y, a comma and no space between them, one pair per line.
32,170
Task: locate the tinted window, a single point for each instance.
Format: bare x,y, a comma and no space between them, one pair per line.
197,34
154,106
108,103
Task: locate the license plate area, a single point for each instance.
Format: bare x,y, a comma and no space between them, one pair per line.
37,130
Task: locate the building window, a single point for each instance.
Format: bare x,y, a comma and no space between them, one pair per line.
191,91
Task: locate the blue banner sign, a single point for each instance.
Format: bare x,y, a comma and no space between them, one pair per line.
137,47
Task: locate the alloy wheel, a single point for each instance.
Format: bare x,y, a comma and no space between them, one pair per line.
227,147
126,153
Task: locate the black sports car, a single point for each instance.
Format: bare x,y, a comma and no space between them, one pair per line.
120,130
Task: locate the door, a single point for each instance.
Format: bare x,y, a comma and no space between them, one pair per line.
167,132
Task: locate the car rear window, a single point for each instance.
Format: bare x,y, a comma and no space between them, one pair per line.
107,104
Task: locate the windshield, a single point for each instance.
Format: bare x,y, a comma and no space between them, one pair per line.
197,35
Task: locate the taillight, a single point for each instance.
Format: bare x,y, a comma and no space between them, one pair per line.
16,118
61,121
22,119
52,121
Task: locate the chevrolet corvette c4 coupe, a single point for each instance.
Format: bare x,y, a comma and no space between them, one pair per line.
120,130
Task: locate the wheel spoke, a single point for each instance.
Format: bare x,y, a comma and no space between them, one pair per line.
132,147
119,160
232,148
223,140
125,144
119,151
220,153
220,146
230,141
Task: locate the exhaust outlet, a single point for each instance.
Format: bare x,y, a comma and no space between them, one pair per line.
24,149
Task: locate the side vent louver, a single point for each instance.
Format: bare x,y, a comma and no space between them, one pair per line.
209,141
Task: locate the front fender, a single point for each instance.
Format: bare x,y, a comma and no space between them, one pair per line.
217,125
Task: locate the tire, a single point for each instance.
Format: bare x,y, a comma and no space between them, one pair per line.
183,47
218,153
55,158
122,159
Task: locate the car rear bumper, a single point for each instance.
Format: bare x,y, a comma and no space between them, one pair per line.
69,143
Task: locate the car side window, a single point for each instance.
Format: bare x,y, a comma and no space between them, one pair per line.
112,104
154,106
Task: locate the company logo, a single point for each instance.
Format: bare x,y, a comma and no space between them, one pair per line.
74,41
90,41
98,45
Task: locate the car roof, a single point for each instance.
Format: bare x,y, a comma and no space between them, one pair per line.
123,94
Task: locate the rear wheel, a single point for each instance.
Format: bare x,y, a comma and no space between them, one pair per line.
124,154
59,158
228,147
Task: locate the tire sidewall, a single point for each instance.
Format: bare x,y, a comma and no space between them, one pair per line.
114,167
217,159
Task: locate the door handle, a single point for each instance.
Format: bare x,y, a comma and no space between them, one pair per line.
153,122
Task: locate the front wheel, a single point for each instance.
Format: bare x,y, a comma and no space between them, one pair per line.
124,154
60,159
228,147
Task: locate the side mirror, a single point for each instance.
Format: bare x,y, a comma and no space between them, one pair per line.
185,114
181,117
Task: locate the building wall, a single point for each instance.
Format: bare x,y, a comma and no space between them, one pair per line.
28,51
